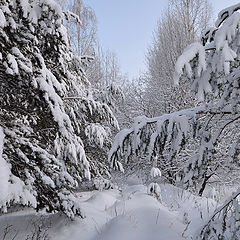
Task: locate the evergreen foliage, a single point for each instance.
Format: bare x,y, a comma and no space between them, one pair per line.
49,117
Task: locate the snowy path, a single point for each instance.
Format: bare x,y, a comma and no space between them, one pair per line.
130,214
134,215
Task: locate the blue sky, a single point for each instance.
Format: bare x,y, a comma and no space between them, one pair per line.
126,26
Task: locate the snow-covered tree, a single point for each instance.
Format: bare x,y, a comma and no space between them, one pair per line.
83,36
213,70
103,71
49,118
180,25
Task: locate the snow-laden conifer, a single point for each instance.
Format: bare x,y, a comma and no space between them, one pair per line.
48,112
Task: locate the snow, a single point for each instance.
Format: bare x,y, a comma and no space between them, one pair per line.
154,190
3,22
25,7
226,13
227,31
159,211
12,188
70,15
22,62
228,55
63,31
155,172
218,61
118,144
12,65
4,171
175,125
117,214
96,132
195,49
101,200
54,6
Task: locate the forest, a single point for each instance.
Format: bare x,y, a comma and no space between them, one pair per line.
87,153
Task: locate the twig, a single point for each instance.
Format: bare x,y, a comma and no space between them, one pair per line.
157,216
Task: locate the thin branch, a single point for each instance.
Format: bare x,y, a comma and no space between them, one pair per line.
218,210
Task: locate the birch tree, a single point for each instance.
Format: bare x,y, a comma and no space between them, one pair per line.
179,26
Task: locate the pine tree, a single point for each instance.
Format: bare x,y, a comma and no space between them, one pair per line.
49,117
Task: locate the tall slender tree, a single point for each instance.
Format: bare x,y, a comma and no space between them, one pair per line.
179,26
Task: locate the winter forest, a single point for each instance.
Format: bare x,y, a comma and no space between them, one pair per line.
87,153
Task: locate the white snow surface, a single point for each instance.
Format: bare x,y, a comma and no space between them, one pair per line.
129,214
4,171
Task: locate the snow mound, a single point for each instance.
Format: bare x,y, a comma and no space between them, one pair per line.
101,200
129,214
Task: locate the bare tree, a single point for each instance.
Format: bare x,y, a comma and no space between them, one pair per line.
77,8
194,15
83,36
179,26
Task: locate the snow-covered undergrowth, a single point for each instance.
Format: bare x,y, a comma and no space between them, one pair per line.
118,214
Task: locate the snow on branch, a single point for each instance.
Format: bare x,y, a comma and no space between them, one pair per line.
45,134
12,188
227,31
225,13
193,50
97,133
69,15
3,22
204,64
151,134
224,221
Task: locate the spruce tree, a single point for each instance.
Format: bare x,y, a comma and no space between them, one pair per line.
48,113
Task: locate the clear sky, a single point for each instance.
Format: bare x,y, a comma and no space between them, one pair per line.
126,26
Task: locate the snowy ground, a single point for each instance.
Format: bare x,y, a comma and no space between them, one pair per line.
127,214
